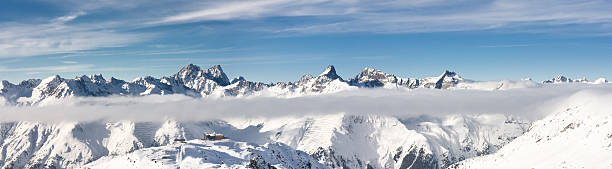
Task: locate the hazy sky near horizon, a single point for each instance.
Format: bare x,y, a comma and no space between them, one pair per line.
281,40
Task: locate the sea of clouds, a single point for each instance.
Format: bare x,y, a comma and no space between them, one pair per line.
530,103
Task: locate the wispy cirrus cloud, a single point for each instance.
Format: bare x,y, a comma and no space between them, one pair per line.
404,17
505,46
61,35
57,36
67,68
59,69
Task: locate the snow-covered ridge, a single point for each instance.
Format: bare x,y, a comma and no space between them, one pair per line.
331,140
577,135
194,81
563,79
211,154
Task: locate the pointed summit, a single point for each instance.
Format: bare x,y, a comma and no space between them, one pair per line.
216,73
189,70
238,79
5,84
330,72
450,75
97,78
444,81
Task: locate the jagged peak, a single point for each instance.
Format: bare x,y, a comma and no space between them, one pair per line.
83,78
144,78
558,79
189,69
97,77
216,67
5,83
216,73
369,70
330,72
214,70
451,74
305,78
115,80
52,79
237,79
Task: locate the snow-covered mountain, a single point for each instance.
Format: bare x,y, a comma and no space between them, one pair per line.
370,77
194,81
211,154
372,141
340,140
563,79
11,92
578,135
384,141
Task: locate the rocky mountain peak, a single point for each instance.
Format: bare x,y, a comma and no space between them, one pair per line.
330,72
559,79
216,73
189,69
83,78
52,79
30,83
370,77
97,78
238,79
4,84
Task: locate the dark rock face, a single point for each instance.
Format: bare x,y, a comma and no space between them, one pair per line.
418,160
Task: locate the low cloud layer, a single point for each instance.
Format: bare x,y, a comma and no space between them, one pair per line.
527,103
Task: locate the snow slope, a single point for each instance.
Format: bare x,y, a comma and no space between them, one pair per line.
385,142
578,135
210,154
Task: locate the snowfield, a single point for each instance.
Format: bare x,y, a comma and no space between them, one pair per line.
373,120
577,135
210,154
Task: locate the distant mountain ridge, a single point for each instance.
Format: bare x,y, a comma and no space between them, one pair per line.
194,81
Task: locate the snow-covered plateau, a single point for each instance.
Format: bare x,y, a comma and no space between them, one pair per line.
373,120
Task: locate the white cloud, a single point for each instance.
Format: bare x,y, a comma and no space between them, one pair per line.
529,103
68,18
69,62
72,67
60,35
407,16
58,69
56,36
224,10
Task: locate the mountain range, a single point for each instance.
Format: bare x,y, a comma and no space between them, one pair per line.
194,81
336,140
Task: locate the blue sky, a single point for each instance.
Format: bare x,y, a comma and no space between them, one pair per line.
281,40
